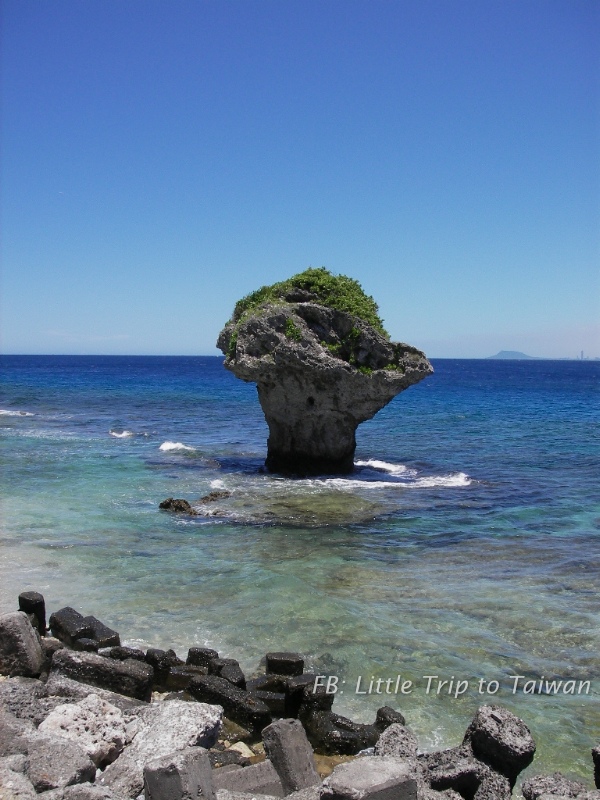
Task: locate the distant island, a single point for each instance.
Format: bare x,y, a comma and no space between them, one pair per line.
511,354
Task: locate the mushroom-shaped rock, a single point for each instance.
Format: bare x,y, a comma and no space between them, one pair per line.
323,363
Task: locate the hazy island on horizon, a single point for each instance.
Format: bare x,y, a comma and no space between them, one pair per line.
512,354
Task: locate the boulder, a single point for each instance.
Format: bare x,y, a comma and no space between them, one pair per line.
182,775
502,740
131,678
165,728
67,624
261,778
80,791
20,648
178,505
290,753
15,785
398,741
239,705
53,762
13,734
285,663
201,656
556,783
322,364
372,778
60,689
98,727
102,634
34,603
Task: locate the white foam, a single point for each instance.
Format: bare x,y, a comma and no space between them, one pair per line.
4,413
392,469
121,435
218,484
456,479
169,446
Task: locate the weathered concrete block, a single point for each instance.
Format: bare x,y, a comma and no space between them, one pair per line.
182,775
332,734
285,663
501,739
261,778
80,791
201,656
131,678
20,648
15,786
86,645
179,677
238,705
54,762
102,634
67,624
398,741
291,754
61,689
98,727
164,728
13,733
34,603
556,783
372,778
275,702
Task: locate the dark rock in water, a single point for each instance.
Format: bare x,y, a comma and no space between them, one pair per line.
596,757
275,701
322,366
386,716
179,677
229,669
86,645
67,624
502,740
122,653
34,603
239,705
285,663
458,770
161,662
102,634
131,678
178,505
555,784
331,734
294,692
201,656
211,497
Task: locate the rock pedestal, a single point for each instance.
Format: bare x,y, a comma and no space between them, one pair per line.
319,372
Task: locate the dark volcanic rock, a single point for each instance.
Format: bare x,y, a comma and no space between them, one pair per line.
201,656
596,757
285,663
69,625
131,678
555,784
332,734
502,740
320,372
176,504
34,603
239,705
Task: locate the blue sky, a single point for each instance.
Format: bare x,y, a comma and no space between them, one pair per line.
161,159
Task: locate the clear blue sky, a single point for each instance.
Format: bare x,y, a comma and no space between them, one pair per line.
162,158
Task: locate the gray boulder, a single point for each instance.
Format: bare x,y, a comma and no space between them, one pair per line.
538,785
183,775
131,677
164,728
397,741
372,778
54,762
320,370
289,750
98,727
20,648
15,785
502,740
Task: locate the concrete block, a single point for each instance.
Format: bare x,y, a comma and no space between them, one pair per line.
182,775
259,778
372,778
290,753
20,648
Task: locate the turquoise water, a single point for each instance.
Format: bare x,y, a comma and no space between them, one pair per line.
465,545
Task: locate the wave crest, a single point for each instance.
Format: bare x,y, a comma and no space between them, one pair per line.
168,447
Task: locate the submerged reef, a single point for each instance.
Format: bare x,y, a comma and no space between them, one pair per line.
323,363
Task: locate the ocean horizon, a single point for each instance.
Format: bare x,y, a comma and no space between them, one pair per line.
458,560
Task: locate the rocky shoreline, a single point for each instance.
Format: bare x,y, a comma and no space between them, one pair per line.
84,718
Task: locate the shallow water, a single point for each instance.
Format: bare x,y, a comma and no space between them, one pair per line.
465,545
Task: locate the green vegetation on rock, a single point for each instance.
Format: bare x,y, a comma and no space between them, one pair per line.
292,331
333,291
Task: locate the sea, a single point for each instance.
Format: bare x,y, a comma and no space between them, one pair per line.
458,565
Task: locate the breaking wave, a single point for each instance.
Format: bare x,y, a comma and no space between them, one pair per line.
168,447
121,434
7,413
